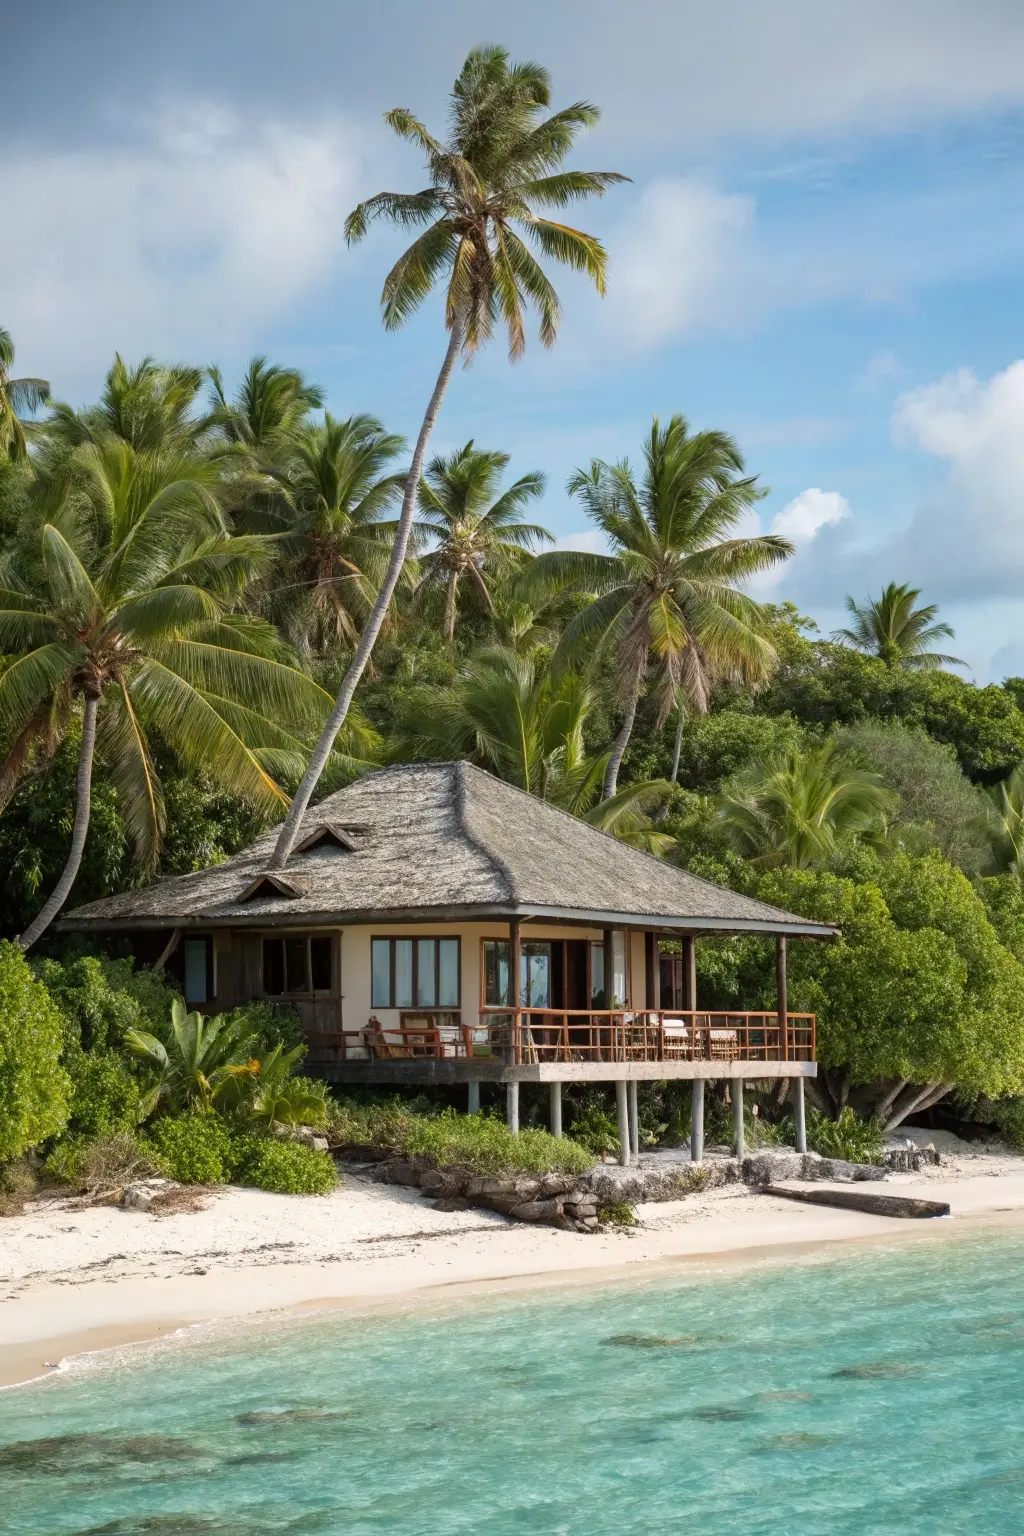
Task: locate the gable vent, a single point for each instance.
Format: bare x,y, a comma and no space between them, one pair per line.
329,835
273,883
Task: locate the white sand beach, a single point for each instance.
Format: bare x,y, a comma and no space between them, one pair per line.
76,1280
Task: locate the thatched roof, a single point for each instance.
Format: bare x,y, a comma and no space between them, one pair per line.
441,840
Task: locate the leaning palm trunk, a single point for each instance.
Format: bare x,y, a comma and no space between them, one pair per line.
677,752
83,806
611,778
367,640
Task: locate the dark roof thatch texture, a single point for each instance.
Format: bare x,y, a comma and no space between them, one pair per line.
441,839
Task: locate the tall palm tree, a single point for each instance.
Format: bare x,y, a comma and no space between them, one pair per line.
330,494
120,607
501,161
16,397
666,593
800,807
891,627
474,541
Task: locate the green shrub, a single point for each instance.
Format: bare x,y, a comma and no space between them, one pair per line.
34,1087
593,1127
270,1024
283,1167
18,1184
194,1148
617,1213
105,1097
488,1146
101,999
1009,1119
850,1138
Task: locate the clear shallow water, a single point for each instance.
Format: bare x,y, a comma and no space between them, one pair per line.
882,1392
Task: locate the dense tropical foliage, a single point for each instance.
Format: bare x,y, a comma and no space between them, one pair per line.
195,573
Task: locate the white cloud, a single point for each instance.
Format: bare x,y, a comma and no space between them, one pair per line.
183,242
884,368
801,518
589,541
673,258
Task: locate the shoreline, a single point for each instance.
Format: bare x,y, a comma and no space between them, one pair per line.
422,1259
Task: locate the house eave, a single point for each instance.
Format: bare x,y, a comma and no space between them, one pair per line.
570,916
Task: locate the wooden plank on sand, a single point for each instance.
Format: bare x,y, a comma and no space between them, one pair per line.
855,1200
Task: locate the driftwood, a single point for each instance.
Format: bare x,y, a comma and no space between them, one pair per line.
855,1200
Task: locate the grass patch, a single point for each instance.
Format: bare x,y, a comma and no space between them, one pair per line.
482,1143
850,1138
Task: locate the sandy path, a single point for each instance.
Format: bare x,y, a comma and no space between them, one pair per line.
74,1280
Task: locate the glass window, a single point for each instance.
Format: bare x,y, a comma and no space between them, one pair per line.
619,989
598,995
495,973
195,970
403,972
296,965
448,973
535,975
320,964
426,973
421,973
380,963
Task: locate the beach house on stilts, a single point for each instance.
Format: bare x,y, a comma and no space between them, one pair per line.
435,925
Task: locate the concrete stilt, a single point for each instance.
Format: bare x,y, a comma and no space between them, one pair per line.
799,1114
512,1108
623,1108
737,1117
697,1122
634,1122
556,1109
473,1098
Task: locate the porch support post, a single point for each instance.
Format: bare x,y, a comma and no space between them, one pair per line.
738,1147
473,1098
689,973
623,1109
634,1122
697,1122
514,985
556,1109
512,1107
799,1114
783,1000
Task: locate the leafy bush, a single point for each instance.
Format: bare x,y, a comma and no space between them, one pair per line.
1009,1120
593,1127
617,1214
850,1138
102,999
34,1087
105,1097
269,1025
283,1167
488,1146
194,1148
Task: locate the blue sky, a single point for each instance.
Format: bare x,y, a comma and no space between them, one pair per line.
821,250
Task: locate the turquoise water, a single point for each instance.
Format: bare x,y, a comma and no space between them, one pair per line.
881,1392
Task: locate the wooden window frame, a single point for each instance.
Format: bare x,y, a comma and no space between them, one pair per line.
211,969
417,938
309,992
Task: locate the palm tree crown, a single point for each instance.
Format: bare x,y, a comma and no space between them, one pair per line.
16,397
891,627
121,603
800,807
270,403
502,160
332,491
667,593
474,540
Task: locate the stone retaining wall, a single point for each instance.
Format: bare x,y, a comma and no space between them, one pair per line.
573,1201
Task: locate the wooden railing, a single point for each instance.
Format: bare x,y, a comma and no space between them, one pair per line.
559,1034
525,1036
